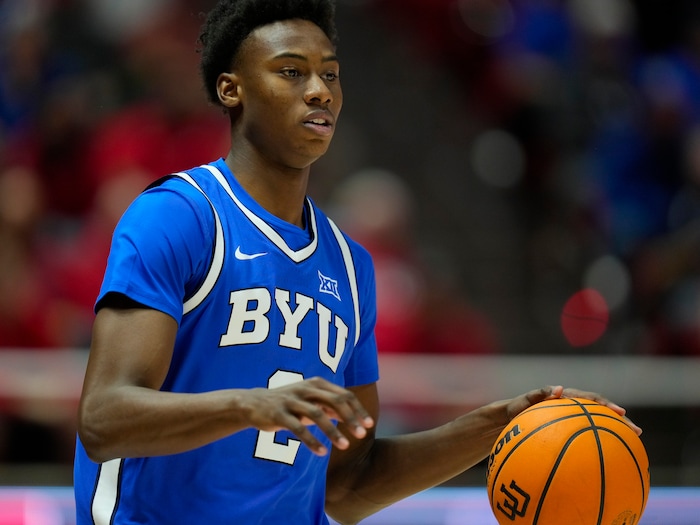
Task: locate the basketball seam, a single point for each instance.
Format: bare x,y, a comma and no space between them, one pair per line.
529,435
636,464
553,471
601,463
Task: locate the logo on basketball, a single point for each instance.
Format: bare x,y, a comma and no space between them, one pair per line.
626,518
505,439
515,502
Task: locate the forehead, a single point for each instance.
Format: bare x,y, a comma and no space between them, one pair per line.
286,36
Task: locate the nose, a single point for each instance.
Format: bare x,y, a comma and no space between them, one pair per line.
318,92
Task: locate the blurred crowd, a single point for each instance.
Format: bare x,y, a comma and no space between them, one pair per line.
585,114
97,99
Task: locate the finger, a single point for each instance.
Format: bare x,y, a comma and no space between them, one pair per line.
354,416
570,392
630,423
286,408
593,396
346,408
307,437
540,394
312,414
530,398
555,392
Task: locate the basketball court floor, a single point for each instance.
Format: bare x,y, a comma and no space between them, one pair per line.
470,506
441,506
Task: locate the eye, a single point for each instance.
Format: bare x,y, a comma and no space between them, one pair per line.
291,72
331,76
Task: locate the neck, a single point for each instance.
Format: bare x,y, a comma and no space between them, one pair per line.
280,190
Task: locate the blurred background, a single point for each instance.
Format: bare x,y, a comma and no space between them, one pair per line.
495,157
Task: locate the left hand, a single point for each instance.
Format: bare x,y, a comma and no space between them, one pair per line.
533,397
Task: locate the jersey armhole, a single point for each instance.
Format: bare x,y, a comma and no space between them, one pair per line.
197,296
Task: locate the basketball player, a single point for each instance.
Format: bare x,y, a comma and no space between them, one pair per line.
233,368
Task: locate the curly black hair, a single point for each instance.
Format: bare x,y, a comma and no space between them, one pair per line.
231,21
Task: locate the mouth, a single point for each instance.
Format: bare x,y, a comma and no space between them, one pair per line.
320,123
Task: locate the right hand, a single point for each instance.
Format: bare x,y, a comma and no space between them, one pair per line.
314,401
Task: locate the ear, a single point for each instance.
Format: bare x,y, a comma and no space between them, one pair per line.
228,89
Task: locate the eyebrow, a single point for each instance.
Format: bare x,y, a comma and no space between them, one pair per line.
329,58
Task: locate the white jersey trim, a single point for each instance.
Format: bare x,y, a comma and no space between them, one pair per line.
266,229
352,277
106,497
217,262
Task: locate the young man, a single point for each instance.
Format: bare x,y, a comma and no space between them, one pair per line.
233,368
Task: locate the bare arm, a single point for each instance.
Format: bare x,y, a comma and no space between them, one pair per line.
124,414
374,473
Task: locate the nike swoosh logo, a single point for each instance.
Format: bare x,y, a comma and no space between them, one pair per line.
247,256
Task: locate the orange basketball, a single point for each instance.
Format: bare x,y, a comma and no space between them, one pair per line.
571,461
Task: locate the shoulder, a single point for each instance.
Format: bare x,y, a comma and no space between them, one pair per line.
170,213
162,246
176,187
173,202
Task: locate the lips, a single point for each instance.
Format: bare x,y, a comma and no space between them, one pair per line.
319,121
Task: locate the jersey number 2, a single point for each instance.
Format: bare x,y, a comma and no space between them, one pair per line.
267,447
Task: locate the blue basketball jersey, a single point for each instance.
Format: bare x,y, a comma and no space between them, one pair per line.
260,303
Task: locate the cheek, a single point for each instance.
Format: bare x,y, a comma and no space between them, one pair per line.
269,112
338,97
338,106
271,101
